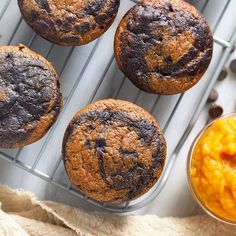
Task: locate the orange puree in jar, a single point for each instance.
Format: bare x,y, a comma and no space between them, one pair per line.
213,168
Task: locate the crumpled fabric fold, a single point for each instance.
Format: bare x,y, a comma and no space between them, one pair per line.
21,214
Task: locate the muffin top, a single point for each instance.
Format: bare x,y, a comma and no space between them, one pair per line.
163,46
114,151
69,22
30,97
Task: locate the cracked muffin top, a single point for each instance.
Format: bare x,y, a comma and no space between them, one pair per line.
163,46
30,97
113,151
69,22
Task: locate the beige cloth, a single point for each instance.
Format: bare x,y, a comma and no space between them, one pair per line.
22,214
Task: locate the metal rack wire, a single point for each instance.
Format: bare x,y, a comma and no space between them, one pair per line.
84,80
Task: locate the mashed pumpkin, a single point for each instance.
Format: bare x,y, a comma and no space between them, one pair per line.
213,168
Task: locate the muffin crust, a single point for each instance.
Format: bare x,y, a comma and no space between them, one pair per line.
113,151
30,98
163,46
69,22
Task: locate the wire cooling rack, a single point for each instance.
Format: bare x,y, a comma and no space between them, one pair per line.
90,73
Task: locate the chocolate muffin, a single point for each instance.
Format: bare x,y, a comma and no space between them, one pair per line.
30,98
113,151
69,22
163,46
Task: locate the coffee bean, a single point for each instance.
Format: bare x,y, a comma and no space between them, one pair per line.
232,66
223,74
233,48
215,111
213,96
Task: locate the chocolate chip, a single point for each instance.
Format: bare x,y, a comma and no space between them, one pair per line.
232,66
223,74
213,96
101,143
233,48
44,5
215,111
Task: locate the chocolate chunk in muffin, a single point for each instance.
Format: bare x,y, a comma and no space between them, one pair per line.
113,151
30,97
69,22
163,46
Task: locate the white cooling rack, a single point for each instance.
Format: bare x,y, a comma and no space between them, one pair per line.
89,73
